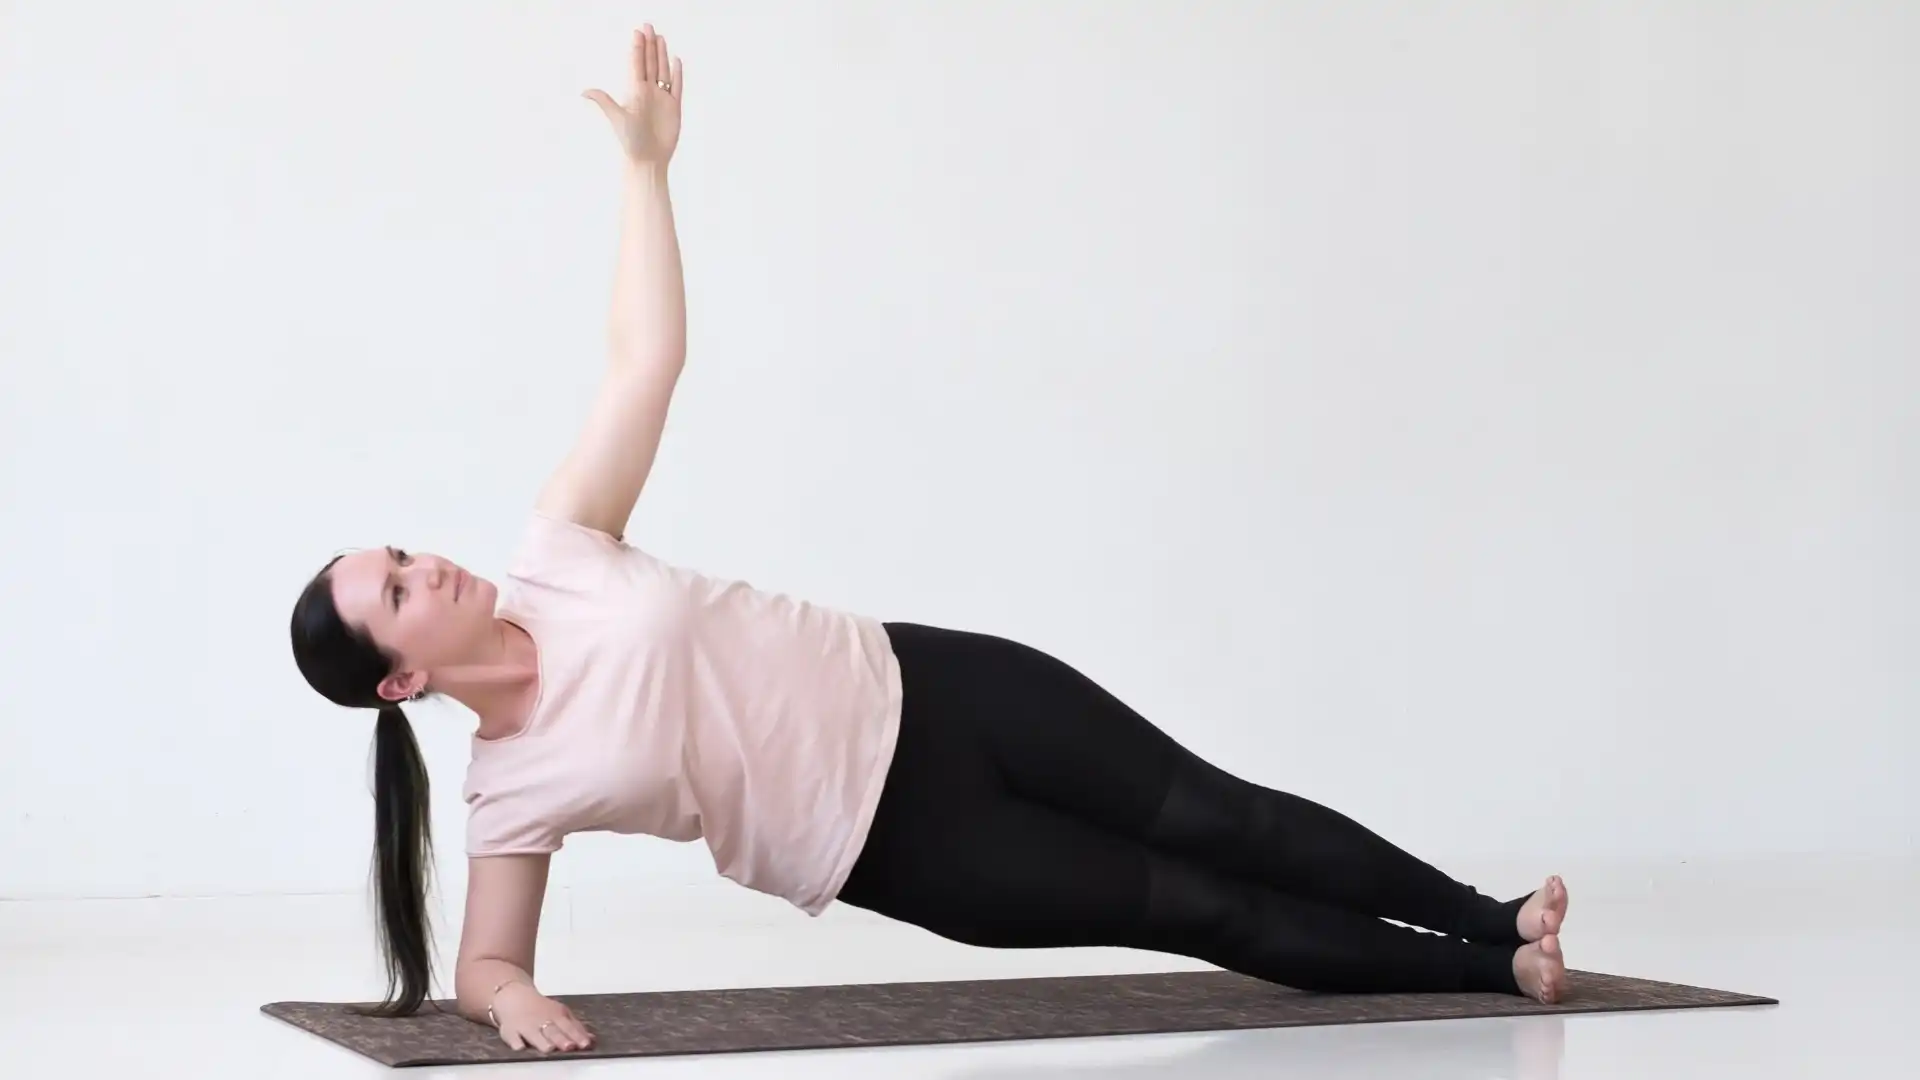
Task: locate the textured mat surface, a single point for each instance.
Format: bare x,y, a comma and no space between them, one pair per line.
897,1014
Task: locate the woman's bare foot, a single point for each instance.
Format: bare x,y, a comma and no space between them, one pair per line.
1544,912
1541,970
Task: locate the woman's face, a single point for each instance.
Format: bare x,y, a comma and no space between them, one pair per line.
422,608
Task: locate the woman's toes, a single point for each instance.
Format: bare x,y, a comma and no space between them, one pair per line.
1553,913
1543,912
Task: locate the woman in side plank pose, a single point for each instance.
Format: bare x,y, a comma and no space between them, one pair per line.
958,781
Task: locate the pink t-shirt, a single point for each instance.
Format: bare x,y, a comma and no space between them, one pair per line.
688,707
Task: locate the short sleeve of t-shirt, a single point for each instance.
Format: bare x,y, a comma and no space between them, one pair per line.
504,825
558,565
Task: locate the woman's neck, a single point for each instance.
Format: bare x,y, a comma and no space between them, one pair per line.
501,687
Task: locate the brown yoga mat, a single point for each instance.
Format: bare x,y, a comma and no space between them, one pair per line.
902,1014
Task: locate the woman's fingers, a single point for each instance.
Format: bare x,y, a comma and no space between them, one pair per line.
653,63
564,1033
576,1031
607,105
537,1038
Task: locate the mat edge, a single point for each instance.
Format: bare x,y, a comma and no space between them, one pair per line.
1541,1011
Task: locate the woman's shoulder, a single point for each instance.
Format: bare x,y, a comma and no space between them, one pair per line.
546,533
553,552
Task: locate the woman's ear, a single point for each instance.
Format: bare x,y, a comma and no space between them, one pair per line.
402,685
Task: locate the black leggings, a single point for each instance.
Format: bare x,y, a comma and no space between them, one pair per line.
1026,807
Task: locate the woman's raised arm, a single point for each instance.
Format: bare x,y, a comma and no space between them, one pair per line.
599,481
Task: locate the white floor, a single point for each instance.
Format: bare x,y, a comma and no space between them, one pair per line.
109,990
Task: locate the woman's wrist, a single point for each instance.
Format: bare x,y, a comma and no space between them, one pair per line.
495,996
646,171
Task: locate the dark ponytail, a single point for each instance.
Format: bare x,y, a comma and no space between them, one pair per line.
402,862
346,666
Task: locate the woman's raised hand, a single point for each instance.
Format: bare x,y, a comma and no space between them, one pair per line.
648,125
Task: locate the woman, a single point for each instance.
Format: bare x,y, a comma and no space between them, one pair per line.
960,782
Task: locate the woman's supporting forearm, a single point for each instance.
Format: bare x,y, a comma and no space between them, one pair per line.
648,321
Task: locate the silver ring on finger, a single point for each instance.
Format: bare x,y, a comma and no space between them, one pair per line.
663,84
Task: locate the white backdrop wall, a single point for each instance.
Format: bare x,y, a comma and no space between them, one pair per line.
1497,420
